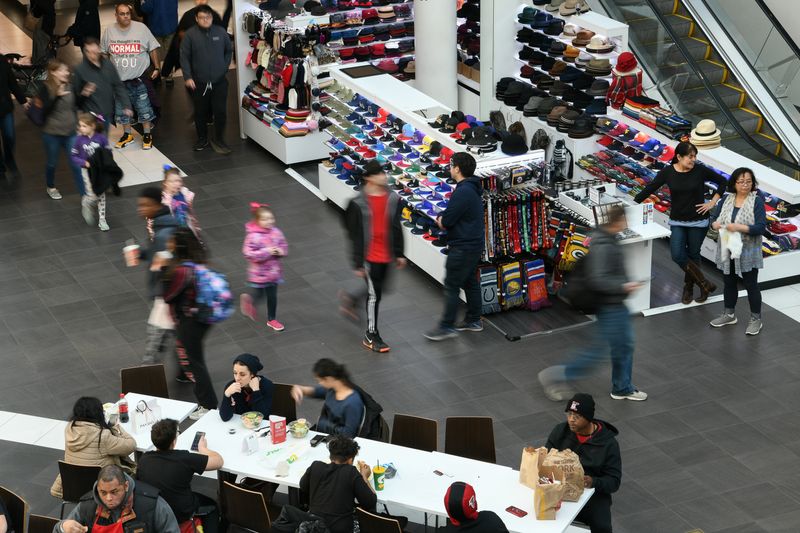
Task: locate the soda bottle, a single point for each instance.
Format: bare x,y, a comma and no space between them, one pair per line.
123,409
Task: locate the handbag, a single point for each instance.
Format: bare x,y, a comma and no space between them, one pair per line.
145,414
35,111
160,316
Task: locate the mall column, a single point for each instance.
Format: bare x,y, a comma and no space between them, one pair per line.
436,65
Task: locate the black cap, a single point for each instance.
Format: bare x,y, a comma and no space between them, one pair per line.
250,361
583,404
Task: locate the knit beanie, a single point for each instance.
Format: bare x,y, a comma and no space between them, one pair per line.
583,404
461,503
250,361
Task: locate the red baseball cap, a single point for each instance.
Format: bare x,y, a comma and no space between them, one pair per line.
667,155
461,503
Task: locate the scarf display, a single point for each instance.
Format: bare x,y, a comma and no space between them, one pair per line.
536,287
515,222
511,285
490,297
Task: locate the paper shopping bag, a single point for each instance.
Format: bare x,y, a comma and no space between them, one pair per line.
277,429
548,493
529,465
145,414
569,463
160,316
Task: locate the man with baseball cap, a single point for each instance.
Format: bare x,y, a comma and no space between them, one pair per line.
595,443
462,508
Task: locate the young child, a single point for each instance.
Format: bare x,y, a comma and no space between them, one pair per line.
179,199
263,247
90,138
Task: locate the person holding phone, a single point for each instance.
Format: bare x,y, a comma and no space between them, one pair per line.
171,472
247,391
462,510
97,84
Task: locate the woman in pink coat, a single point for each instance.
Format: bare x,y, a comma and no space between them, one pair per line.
263,247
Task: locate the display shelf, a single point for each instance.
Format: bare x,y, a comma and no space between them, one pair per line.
288,149
604,26
394,40
769,180
567,40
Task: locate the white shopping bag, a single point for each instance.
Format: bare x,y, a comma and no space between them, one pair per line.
144,415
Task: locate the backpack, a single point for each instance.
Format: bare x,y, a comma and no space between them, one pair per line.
576,291
214,297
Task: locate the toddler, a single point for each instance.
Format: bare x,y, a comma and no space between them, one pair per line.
263,247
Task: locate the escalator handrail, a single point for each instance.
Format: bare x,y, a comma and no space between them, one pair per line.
778,26
713,92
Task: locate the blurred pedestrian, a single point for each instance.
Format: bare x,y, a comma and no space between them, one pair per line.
9,89
162,19
96,82
86,24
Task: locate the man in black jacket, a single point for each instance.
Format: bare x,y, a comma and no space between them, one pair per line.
97,84
595,443
206,53
373,223
608,283
463,220
8,88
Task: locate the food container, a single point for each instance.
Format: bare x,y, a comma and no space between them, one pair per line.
252,419
299,428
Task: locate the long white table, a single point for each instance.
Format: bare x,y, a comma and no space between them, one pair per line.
415,486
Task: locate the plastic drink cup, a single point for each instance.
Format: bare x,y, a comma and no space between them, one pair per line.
378,476
131,253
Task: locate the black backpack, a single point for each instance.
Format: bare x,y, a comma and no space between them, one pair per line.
576,291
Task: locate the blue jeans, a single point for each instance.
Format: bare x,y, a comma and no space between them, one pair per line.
140,101
52,145
685,243
8,135
461,273
613,329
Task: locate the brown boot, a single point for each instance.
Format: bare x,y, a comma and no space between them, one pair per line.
688,289
706,287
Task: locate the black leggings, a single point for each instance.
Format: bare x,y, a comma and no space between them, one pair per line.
270,292
731,292
189,335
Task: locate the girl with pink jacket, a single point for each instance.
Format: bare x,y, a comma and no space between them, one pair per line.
263,247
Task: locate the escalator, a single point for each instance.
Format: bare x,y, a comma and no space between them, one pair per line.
695,80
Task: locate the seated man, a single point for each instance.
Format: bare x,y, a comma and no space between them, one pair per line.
119,503
595,443
462,509
332,487
171,472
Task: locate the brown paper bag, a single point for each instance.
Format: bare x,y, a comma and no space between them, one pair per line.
529,465
569,463
547,497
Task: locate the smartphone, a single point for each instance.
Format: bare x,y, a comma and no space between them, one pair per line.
516,511
438,473
317,439
196,442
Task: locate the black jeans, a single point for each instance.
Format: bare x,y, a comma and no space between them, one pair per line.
270,292
731,291
8,136
210,102
189,345
209,510
461,273
597,513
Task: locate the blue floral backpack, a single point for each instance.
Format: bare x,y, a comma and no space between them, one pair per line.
214,297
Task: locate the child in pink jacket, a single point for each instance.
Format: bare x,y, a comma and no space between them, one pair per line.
263,247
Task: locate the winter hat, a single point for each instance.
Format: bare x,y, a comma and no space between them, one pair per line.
461,503
250,361
583,404
626,63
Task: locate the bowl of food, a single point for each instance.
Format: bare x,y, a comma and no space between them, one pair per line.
252,419
298,428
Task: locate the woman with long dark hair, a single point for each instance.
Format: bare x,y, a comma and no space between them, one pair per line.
743,215
688,219
343,411
180,292
91,441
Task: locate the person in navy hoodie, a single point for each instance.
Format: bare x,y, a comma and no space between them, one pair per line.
247,391
162,19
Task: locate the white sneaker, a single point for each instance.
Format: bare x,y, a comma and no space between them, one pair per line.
198,413
53,193
636,396
103,225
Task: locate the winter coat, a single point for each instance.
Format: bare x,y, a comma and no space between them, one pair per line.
88,445
605,268
463,217
104,173
262,266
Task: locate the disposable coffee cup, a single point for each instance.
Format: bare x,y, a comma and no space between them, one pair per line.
131,253
378,476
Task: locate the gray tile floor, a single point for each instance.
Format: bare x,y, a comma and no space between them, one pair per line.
715,447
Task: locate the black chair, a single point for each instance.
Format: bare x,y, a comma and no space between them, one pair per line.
41,524
471,437
415,432
372,523
150,380
282,402
76,480
17,510
246,508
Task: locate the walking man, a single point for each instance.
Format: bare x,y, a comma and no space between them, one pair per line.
376,238
609,286
206,53
132,48
96,82
162,19
463,220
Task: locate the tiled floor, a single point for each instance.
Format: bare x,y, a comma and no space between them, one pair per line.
715,447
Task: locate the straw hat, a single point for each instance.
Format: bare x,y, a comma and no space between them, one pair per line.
706,134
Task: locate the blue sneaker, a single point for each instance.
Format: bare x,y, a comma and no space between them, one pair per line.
470,326
440,334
